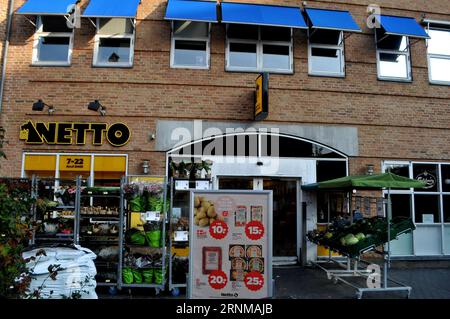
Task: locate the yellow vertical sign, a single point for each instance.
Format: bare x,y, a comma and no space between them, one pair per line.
259,95
262,97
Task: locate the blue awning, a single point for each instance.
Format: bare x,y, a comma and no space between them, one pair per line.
332,20
111,9
204,11
47,7
258,14
404,26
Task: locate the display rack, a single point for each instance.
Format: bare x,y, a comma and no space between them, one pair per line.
179,222
378,280
99,227
55,209
132,221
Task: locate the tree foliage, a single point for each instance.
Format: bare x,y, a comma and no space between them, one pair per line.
15,233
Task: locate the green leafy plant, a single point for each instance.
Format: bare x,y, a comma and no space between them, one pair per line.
15,233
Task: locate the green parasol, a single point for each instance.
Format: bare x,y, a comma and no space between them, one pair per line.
376,181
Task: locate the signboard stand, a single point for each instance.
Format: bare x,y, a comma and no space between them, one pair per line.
230,244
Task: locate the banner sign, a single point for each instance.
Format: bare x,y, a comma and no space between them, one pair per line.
69,133
230,244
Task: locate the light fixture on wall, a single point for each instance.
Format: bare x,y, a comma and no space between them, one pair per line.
146,167
97,107
39,106
370,169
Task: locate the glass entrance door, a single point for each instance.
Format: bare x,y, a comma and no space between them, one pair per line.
284,216
284,209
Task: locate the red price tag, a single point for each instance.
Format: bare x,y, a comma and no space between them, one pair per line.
218,229
254,230
217,279
254,281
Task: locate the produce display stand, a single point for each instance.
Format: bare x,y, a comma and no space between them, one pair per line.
130,215
98,227
392,229
56,204
179,222
354,265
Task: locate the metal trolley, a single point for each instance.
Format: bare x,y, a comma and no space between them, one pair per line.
126,224
180,200
353,265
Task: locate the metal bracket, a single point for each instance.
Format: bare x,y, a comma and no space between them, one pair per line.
92,22
133,22
310,34
385,36
66,16
346,36
34,24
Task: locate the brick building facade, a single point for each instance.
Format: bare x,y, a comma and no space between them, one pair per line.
393,121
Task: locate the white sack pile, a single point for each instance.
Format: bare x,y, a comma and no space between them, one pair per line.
76,274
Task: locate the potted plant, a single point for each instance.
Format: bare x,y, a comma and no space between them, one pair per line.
206,165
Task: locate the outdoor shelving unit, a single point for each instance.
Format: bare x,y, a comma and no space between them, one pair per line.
127,216
180,200
47,188
107,195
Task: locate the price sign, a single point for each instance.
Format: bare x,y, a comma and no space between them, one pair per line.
218,229
181,185
254,281
202,185
153,216
254,230
217,279
181,236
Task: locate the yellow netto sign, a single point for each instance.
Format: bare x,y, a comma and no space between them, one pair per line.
262,97
74,133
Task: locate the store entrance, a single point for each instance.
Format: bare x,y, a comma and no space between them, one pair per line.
285,210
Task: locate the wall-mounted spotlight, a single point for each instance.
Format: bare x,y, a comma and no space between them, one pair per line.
370,169
39,106
97,107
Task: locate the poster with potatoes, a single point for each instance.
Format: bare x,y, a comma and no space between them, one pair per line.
230,244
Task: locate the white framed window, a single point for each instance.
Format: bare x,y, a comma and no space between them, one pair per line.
251,48
439,55
326,53
190,45
393,57
114,42
53,42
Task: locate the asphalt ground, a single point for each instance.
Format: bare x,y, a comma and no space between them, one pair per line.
428,280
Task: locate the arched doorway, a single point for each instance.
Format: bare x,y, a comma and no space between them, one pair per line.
269,161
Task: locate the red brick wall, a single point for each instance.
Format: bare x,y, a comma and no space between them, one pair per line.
394,120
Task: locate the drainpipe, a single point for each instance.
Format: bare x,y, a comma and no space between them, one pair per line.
5,51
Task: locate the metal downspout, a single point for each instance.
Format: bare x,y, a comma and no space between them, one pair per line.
5,51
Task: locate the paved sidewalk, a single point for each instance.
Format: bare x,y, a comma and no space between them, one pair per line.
429,280
312,283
